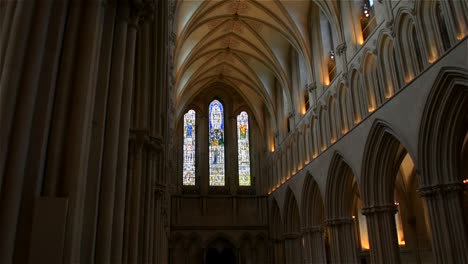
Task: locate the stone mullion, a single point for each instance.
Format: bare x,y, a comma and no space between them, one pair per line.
111,139
123,146
231,161
448,230
342,240
202,154
383,236
17,146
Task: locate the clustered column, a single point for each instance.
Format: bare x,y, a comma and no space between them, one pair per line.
383,236
67,113
448,229
342,240
314,244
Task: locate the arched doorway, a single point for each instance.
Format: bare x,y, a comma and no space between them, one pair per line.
221,251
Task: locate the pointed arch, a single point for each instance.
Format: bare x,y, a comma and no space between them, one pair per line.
358,95
383,155
409,42
313,213
334,119
371,81
388,66
444,128
346,109
339,190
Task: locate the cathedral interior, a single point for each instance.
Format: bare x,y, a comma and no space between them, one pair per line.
233,131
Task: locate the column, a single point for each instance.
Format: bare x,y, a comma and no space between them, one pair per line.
382,231
292,247
111,139
135,201
93,182
448,230
75,156
123,146
18,90
12,68
342,240
314,245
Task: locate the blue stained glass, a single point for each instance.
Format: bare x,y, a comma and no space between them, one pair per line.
189,149
216,140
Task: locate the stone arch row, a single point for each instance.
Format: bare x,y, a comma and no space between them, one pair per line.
401,53
192,247
442,148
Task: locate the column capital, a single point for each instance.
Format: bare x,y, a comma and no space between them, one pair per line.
313,229
141,11
339,221
391,208
441,189
291,236
311,87
341,49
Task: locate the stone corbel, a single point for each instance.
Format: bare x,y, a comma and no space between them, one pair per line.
311,87
142,11
341,49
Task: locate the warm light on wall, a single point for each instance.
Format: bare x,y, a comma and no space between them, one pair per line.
371,109
273,148
363,232
465,181
361,40
399,226
434,55
409,78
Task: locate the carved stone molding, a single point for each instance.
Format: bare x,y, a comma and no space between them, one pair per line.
291,236
311,87
339,221
341,49
441,189
392,208
313,229
142,12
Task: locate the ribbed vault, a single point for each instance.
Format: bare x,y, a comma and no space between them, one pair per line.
244,44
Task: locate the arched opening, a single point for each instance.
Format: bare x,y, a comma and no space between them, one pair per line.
292,234
442,151
411,216
394,210
276,234
221,250
340,205
314,243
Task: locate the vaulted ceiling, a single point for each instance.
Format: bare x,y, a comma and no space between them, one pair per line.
244,44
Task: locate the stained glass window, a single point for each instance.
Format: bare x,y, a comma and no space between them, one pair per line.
189,149
216,139
243,148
